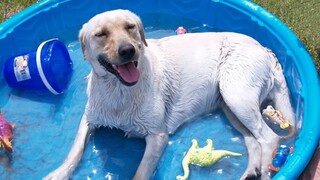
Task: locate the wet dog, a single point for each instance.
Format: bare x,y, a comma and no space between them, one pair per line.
148,88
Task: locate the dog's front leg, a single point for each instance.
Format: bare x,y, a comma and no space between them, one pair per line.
74,156
155,144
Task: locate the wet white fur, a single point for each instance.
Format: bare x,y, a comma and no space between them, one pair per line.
181,77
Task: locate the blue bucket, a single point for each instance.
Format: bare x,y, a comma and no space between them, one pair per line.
48,68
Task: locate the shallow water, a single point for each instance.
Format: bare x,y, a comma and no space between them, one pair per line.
46,126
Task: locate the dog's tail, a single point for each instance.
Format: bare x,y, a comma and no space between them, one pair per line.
281,96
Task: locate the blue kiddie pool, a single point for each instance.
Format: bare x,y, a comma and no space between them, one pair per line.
46,124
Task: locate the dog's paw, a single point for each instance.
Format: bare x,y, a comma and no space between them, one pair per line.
181,178
57,175
251,175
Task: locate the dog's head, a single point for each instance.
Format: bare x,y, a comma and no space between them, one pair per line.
113,42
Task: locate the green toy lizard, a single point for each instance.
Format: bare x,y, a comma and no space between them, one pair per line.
205,156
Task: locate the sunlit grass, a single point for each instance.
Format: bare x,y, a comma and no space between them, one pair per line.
11,7
303,17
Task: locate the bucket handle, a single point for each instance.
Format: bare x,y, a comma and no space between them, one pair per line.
40,70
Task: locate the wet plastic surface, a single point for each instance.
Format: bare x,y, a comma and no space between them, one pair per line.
46,124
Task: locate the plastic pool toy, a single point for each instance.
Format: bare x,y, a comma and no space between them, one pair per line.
181,30
6,135
276,117
280,157
57,117
206,156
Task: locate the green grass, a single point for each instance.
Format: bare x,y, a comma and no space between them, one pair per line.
11,7
302,16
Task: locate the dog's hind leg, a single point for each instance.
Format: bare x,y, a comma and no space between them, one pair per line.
281,98
253,146
245,105
74,156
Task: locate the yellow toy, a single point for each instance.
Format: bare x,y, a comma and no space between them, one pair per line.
276,117
205,156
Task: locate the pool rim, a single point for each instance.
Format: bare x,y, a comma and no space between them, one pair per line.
308,138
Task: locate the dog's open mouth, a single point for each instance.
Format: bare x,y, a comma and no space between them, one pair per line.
127,73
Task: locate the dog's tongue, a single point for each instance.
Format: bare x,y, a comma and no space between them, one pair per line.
128,72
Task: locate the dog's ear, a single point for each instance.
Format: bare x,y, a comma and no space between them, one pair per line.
141,30
82,39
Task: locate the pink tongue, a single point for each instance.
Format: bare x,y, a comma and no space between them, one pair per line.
129,72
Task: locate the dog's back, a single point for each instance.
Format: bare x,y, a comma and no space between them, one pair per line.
193,65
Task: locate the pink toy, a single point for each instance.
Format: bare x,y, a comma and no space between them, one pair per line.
6,135
181,30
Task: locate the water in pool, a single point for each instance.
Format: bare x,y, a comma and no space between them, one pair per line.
46,126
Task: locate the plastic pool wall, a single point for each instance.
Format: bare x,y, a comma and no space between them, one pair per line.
63,19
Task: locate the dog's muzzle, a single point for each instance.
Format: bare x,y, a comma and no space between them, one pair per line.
126,72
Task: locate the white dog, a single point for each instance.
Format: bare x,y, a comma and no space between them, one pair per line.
148,88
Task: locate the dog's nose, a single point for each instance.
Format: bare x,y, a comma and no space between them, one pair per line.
126,52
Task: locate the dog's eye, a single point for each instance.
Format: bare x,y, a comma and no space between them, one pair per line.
130,26
101,34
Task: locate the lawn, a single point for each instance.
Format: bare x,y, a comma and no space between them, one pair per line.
11,7
302,16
